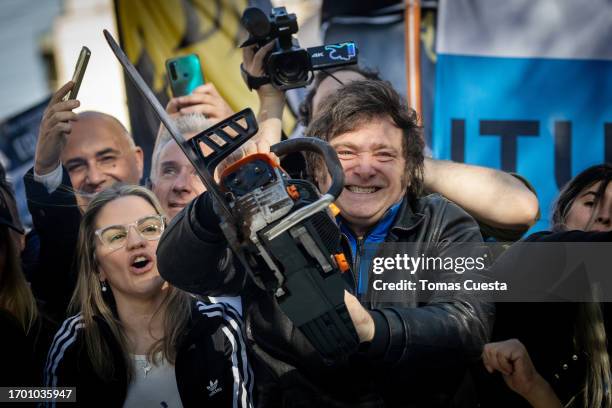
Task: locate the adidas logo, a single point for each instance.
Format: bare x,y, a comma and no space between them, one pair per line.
213,387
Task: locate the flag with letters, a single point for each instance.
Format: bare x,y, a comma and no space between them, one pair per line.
525,86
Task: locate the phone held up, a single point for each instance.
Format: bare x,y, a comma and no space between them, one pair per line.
184,74
79,72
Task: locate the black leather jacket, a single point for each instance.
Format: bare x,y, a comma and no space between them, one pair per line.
426,347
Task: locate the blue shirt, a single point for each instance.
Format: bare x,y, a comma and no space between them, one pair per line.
376,235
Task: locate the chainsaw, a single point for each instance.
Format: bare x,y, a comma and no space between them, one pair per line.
280,229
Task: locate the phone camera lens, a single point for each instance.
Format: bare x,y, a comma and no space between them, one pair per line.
173,71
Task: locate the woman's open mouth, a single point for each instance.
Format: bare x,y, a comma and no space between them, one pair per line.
141,264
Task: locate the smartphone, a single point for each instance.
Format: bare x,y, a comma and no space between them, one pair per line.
184,74
79,72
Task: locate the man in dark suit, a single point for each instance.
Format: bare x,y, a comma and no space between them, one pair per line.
77,156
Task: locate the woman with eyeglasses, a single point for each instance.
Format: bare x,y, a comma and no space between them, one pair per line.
557,354
137,341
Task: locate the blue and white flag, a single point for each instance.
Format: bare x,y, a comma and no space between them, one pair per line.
525,86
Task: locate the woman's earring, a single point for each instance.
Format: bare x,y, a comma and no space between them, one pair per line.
104,287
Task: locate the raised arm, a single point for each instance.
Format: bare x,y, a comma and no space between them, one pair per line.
512,360
54,209
56,123
491,196
193,253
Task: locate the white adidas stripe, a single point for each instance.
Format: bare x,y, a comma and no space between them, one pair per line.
238,325
66,336
61,334
59,357
224,311
247,372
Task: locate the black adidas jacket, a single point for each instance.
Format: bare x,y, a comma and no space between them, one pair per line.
211,365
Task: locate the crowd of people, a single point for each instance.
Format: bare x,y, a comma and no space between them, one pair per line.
134,298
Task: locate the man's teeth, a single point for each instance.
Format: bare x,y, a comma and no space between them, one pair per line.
357,189
140,259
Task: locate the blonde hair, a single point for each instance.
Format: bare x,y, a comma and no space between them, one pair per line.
15,294
589,330
590,334
89,300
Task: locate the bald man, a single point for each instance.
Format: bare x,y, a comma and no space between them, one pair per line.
95,149
77,156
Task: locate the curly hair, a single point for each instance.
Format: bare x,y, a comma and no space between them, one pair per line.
305,109
360,102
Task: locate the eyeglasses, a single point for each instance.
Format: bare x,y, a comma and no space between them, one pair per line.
150,228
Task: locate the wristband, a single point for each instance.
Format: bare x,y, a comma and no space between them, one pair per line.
251,81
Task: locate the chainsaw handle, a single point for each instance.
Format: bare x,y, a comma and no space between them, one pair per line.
311,144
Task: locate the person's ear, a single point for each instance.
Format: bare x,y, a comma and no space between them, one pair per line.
138,153
101,274
98,268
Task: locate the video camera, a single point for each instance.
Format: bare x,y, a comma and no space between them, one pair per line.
289,66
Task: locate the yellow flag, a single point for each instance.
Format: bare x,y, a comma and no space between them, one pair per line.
152,31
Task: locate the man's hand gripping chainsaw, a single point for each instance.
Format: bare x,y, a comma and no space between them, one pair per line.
279,229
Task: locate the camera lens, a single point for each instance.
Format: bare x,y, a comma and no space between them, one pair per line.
173,71
290,68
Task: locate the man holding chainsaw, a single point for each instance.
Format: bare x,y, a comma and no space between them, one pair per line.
410,353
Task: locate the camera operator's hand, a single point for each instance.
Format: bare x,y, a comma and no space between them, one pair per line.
271,104
253,63
362,320
54,127
512,360
205,100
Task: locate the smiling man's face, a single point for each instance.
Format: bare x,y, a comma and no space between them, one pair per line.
374,166
98,154
177,182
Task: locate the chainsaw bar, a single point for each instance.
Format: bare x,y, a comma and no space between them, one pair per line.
220,140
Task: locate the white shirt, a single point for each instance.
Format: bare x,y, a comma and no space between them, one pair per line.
152,386
50,180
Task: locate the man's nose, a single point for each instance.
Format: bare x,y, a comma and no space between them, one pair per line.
365,165
95,175
182,183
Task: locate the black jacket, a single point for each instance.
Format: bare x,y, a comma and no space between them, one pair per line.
425,348
547,330
16,352
212,352
56,219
